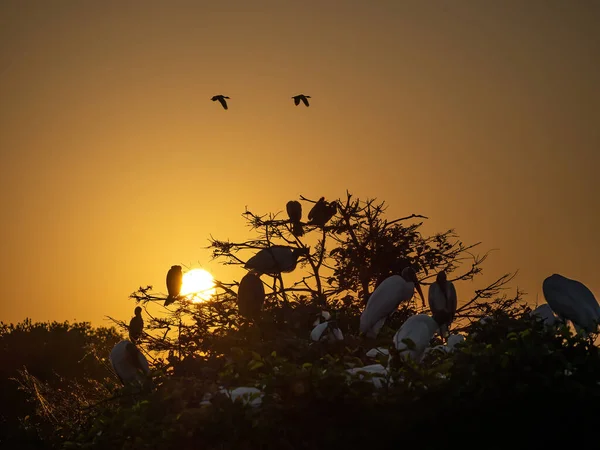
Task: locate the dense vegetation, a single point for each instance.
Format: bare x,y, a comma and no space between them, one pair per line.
513,380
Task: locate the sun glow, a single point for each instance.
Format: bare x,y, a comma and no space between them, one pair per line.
198,285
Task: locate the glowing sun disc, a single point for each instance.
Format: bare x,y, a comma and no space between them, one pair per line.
198,285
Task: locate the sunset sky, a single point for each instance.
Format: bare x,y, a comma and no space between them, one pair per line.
115,165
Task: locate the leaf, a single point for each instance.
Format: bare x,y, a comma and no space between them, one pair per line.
256,356
253,365
306,365
274,354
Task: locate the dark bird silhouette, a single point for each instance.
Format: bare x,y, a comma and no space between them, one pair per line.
174,282
251,295
136,326
442,302
275,260
294,211
221,99
322,212
302,97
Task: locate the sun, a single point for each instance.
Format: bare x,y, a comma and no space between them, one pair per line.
198,285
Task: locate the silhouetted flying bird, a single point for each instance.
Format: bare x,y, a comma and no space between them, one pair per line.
251,295
174,282
221,99
294,211
136,325
302,97
322,212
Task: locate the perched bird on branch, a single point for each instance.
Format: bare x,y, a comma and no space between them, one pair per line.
301,97
443,302
419,328
294,211
572,300
322,212
128,362
250,296
275,260
386,298
174,282
221,99
136,325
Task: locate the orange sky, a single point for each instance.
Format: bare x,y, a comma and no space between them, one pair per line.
115,164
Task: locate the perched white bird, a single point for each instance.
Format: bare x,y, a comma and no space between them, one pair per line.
128,362
455,339
443,302
323,315
545,314
377,372
572,301
379,351
385,300
248,395
275,260
419,328
333,332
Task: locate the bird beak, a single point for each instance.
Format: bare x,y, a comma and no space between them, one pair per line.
418,286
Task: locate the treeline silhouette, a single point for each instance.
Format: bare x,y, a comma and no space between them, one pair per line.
225,377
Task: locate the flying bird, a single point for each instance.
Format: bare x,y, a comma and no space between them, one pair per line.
136,325
251,296
322,212
221,99
294,211
128,362
443,302
275,260
572,300
174,282
385,299
302,97
419,328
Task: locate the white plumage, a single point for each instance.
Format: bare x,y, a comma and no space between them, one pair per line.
379,351
545,314
419,328
128,362
573,301
333,332
385,300
248,395
377,372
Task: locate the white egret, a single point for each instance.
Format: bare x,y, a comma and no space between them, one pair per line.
385,300
545,314
333,332
419,328
128,362
572,300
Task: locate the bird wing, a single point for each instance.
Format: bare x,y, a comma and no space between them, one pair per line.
305,101
436,298
251,295
383,301
174,281
223,102
296,100
317,331
272,260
